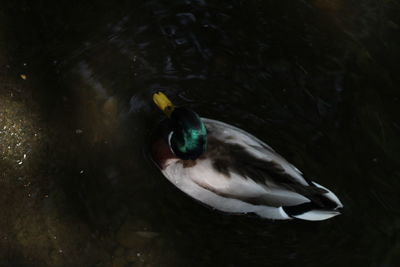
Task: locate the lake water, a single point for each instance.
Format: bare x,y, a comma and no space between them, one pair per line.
317,80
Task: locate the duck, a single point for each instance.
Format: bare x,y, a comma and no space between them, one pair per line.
230,170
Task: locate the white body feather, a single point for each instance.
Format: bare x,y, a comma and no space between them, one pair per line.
211,187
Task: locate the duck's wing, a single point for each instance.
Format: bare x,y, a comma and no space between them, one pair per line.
231,135
256,173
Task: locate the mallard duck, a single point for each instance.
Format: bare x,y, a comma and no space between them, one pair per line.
232,171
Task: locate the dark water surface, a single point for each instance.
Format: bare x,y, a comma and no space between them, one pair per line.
317,80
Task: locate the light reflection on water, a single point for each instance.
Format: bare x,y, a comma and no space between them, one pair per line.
308,77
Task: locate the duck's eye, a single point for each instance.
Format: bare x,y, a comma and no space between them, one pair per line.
168,110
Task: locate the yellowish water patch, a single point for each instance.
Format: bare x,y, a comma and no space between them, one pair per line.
20,136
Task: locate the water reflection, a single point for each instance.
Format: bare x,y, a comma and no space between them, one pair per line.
314,79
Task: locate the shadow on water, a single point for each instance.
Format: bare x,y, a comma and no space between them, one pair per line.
314,79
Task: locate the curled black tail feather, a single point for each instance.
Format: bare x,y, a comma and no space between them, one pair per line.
306,207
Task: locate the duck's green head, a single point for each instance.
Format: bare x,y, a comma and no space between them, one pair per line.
188,136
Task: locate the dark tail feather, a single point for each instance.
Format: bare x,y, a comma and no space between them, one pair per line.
310,211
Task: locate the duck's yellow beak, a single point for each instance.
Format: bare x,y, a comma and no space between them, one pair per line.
163,103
